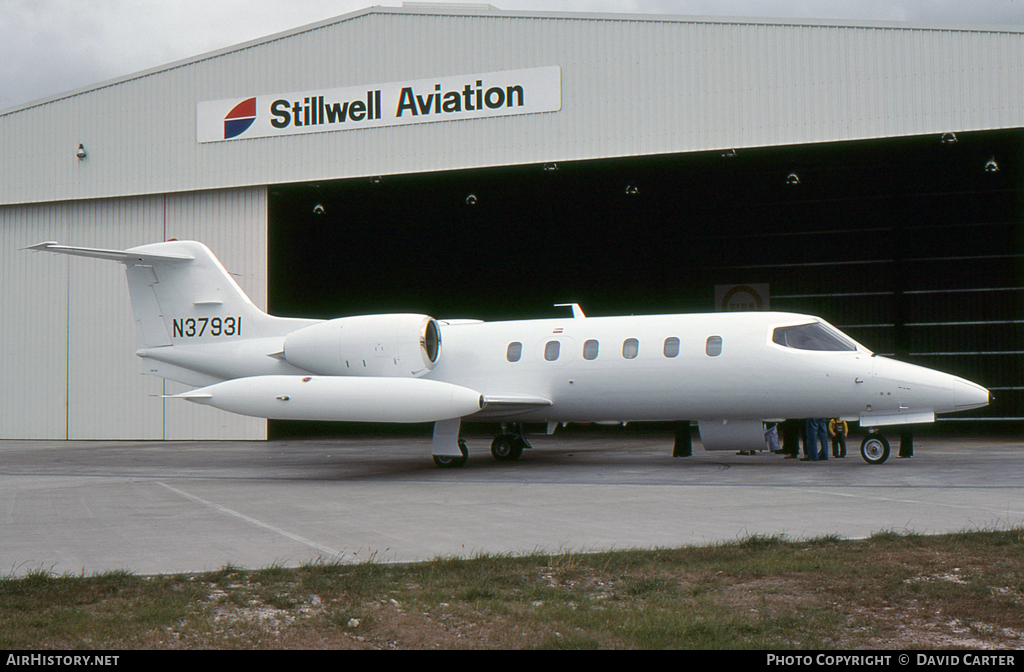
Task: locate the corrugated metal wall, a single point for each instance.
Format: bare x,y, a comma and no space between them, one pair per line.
630,86
33,325
67,337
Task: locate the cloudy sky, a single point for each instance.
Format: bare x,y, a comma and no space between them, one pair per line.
51,46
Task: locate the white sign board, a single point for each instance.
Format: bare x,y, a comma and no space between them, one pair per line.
490,94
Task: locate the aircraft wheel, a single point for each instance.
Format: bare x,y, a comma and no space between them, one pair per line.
874,449
506,448
450,461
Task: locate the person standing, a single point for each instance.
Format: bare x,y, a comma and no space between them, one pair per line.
838,430
821,434
791,431
771,438
816,436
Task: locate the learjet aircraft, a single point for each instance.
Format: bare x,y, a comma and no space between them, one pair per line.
732,373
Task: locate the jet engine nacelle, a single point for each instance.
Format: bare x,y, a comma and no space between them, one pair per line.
400,345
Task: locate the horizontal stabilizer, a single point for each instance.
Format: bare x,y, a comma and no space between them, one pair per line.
191,394
122,256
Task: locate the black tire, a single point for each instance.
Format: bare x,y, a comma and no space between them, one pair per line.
518,445
874,449
450,461
506,448
501,447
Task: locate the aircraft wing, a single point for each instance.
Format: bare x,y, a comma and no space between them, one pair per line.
122,256
498,405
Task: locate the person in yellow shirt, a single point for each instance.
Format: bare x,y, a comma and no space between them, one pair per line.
838,430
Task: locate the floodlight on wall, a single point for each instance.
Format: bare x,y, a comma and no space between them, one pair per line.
992,166
81,152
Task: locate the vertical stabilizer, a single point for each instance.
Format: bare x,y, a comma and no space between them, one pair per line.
148,317
181,294
198,300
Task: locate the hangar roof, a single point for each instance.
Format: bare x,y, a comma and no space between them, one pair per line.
613,85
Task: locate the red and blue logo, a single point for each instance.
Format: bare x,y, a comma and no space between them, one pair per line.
240,118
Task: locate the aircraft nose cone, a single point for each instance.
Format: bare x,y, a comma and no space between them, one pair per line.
967,395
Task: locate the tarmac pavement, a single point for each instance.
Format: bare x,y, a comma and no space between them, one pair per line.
167,507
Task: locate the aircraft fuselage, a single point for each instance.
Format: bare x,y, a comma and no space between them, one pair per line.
666,367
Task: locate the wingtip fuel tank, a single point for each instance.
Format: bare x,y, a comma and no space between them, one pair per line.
339,398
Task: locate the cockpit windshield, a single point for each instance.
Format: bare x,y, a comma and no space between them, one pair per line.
813,336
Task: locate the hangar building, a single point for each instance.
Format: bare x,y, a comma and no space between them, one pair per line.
465,161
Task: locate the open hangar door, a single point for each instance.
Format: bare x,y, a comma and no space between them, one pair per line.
914,246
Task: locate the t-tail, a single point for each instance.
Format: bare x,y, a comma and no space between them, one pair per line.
182,296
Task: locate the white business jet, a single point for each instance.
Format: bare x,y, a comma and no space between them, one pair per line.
731,372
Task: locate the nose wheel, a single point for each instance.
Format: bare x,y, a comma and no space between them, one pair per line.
874,449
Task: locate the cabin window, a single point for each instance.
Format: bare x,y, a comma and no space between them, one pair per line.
514,352
814,336
590,349
713,346
671,346
551,350
630,348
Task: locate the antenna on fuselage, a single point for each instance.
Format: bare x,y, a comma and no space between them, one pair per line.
577,312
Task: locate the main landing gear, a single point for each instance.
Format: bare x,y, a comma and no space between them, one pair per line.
506,447
510,444
453,461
